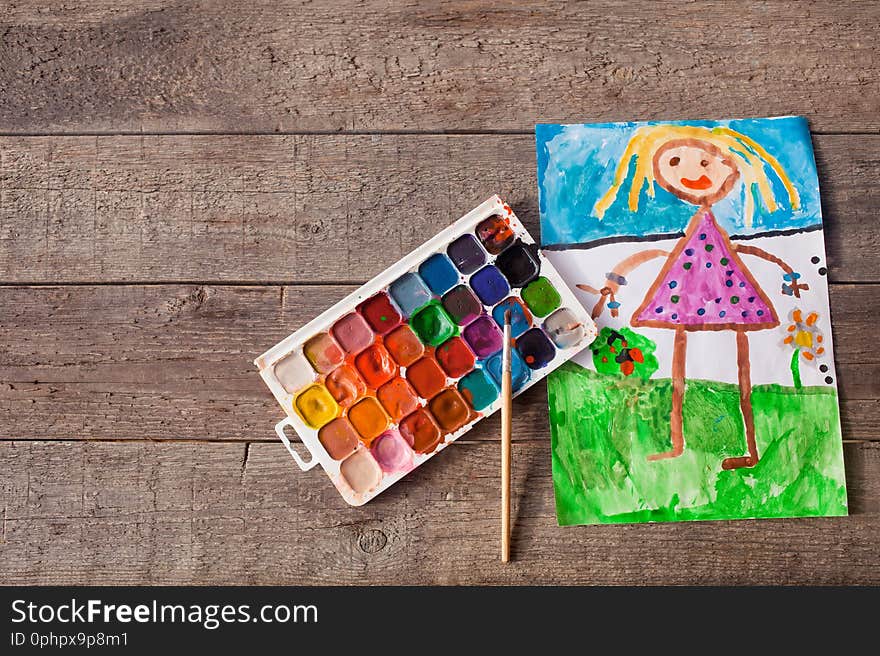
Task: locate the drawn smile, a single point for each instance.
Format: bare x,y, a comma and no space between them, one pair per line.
703,182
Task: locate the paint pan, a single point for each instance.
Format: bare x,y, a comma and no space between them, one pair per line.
401,368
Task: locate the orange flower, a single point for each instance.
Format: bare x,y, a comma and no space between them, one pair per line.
804,335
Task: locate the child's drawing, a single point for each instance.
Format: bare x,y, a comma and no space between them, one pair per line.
641,218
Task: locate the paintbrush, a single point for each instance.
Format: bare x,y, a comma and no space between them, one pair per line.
505,441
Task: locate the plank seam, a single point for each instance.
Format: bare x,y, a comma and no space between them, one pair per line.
340,133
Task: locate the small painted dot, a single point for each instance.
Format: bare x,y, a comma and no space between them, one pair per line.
760,313
742,284
734,299
675,315
829,379
686,266
729,273
823,368
729,283
688,251
822,271
722,313
659,310
724,261
702,235
674,298
708,265
751,299
745,313
673,284
701,312
815,259
709,248
718,300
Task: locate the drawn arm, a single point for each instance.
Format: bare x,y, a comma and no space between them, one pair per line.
791,286
615,278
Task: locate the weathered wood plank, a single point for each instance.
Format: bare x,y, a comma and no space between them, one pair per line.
175,362
128,65
307,208
97,513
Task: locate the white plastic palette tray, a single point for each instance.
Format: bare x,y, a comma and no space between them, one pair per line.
373,445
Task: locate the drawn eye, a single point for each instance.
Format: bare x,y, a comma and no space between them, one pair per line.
704,163
674,161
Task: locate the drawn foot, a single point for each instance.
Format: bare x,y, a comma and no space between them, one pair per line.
741,461
665,455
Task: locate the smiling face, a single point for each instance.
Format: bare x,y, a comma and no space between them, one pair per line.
695,171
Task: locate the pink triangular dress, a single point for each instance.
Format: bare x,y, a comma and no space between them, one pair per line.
704,286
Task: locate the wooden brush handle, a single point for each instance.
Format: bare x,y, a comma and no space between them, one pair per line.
505,468
506,426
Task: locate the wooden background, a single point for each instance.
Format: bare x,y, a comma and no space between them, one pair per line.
182,185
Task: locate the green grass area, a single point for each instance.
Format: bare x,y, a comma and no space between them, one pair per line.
604,427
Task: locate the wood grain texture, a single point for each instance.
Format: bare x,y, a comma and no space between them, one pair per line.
306,208
140,274
170,362
128,65
188,513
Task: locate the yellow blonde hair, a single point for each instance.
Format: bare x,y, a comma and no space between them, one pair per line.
748,155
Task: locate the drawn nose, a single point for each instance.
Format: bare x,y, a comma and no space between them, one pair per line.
703,182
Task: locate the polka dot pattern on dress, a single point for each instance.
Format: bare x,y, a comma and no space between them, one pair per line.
709,283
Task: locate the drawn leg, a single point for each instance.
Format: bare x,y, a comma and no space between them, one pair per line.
676,424
745,405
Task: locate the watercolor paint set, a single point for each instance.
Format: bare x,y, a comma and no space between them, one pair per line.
405,365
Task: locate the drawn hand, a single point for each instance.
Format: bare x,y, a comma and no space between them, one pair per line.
796,287
792,287
606,292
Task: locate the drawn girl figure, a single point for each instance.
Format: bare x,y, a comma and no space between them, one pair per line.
704,284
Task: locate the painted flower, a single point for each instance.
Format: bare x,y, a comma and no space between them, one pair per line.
625,352
804,335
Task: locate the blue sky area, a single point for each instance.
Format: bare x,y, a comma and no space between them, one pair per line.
576,165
